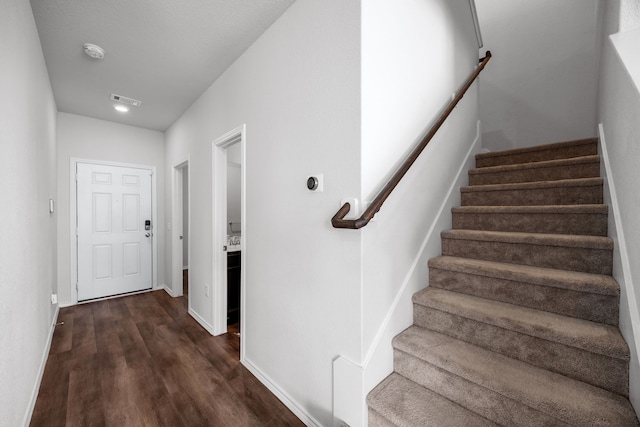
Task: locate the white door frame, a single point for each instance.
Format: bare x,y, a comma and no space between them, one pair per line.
219,210
73,213
177,223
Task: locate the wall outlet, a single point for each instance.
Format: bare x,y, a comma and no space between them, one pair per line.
54,298
206,290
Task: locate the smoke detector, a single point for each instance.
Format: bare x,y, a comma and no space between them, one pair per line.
94,51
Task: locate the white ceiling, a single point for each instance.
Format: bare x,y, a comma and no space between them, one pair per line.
162,52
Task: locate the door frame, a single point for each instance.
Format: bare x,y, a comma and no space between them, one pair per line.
73,221
177,223
219,238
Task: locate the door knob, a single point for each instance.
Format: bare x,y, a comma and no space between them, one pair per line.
147,234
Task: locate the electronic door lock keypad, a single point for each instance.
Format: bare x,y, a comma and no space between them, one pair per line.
147,225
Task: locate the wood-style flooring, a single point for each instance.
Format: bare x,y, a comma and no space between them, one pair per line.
141,360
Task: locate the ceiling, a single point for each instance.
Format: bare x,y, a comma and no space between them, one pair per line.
162,52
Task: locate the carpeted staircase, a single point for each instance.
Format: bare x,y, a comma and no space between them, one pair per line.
518,326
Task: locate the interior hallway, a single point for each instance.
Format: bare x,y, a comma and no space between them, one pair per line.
142,360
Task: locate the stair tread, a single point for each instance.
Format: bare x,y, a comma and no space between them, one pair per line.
578,182
403,402
536,165
512,361
569,400
533,209
551,277
578,333
537,148
542,239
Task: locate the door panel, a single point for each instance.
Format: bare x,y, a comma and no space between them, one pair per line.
114,251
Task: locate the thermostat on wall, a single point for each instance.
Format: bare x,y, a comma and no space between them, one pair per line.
315,183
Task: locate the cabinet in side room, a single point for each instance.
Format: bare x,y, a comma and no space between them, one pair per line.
233,287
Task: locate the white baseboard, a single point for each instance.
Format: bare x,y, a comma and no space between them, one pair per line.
202,322
629,314
45,355
170,291
624,255
289,402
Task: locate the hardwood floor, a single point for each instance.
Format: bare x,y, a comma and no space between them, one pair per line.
141,360
185,281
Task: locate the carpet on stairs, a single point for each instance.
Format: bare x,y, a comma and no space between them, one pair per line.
519,324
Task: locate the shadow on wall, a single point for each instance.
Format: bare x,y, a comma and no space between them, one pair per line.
526,122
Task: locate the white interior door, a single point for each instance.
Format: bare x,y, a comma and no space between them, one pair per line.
114,245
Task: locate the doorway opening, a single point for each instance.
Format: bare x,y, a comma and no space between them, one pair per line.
180,231
229,233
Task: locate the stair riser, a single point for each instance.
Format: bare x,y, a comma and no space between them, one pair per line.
551,223
538,156
561,195
588,306
602,371
596,261
555,173
491,405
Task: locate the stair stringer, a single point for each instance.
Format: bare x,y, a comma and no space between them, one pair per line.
352,378
629,323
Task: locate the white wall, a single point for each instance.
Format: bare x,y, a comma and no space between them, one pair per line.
416,54
185,217
297,89
234,201
618,111
234,189
541,87
94,139
405,85
629,14
28,242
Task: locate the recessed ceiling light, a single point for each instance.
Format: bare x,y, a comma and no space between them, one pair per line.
121,108
94,51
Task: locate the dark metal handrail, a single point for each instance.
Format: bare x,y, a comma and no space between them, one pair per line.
338,220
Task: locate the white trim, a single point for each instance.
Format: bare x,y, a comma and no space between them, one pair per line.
201,321
219,230
43,362
169,291
476,23
73,246
177,221
126,294
634,313
287,400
